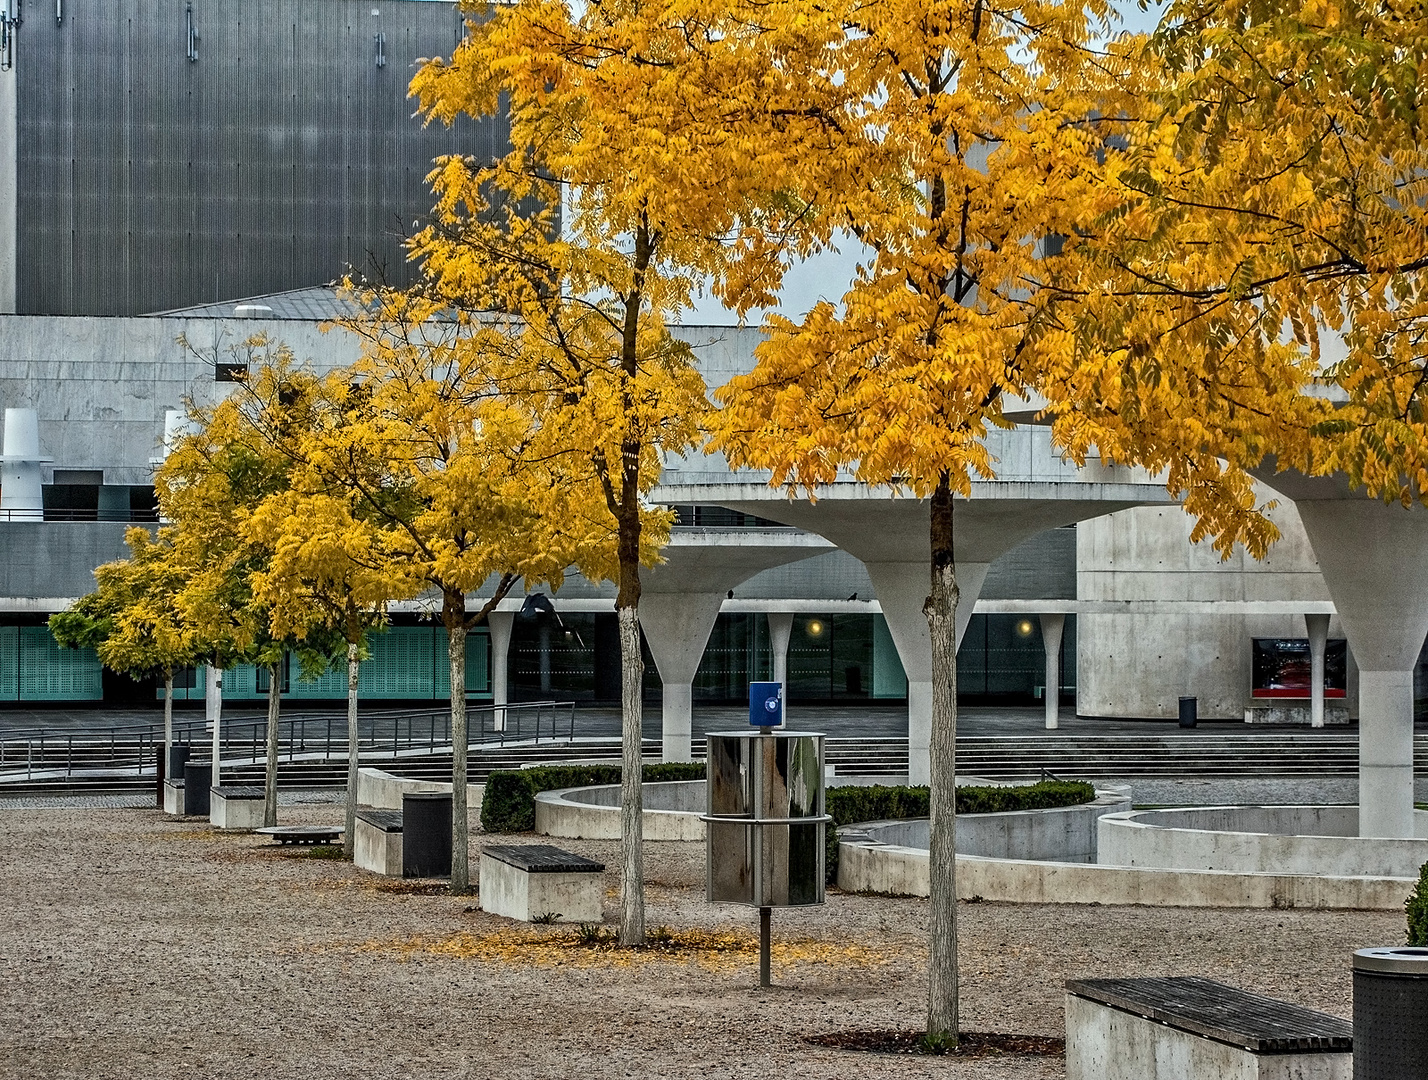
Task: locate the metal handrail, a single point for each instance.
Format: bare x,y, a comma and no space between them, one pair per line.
323,736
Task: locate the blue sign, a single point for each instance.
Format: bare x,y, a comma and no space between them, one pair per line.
765,704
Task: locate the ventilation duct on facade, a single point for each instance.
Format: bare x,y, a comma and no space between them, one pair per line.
21,492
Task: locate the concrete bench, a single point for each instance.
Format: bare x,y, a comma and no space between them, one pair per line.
1196,1029
236,808
534,881
173,797
302,834
377,841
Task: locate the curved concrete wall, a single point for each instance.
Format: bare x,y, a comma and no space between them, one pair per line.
1259,840
903,871
383,791
1063,833
671,812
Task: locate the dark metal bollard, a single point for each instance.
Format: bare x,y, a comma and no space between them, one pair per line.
1391,1014
426,834
1189,711
197,778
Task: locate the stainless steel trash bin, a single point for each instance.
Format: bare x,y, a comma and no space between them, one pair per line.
1391,1014
765,822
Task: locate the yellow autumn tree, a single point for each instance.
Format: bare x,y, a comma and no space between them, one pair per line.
425,480
642,162
239,453
327,573
131,618
966,138
1259,288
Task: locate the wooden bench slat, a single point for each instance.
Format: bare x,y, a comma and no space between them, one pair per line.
302,834
1220,1012
542,859
239,791
386,820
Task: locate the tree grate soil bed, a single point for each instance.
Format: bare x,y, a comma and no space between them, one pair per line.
973,1044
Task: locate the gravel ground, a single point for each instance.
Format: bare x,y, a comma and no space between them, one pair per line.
136,946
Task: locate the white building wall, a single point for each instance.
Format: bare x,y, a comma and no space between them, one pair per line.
1140,665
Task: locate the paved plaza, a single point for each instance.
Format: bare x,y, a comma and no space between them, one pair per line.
133,946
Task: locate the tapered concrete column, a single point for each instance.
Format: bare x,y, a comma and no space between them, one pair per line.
1374,558
902,589
213,712
1318,629
1052,626
500,623
780,633
677,627
1386,753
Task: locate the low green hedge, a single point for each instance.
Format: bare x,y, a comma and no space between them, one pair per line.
847,805
1417,908
509,802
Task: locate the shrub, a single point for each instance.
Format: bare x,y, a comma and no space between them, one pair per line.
1417,908
509,802
847,805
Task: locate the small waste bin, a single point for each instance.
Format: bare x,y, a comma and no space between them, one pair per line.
197,778
426,834
1391,1013
1189,711
178,758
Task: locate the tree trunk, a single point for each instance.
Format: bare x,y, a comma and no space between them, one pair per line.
168,715
270,776
213,707
349,836
632,871
454,611
942,1017
626,508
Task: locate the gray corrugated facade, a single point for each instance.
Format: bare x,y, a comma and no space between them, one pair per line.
147,181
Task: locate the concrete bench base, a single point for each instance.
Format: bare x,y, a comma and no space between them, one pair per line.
377,841
1104,1042
1294,713
173,797
522,894
237,809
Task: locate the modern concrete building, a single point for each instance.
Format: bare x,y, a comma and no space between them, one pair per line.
172,155
160,153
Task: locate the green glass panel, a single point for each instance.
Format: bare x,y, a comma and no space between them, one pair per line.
889,679
401,665
9,663
240,683
332,683
49,673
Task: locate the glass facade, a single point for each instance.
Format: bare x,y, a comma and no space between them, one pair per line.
576,656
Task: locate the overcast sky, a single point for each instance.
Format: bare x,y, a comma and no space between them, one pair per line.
827,276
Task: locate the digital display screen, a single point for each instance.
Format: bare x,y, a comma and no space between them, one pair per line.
1281,668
